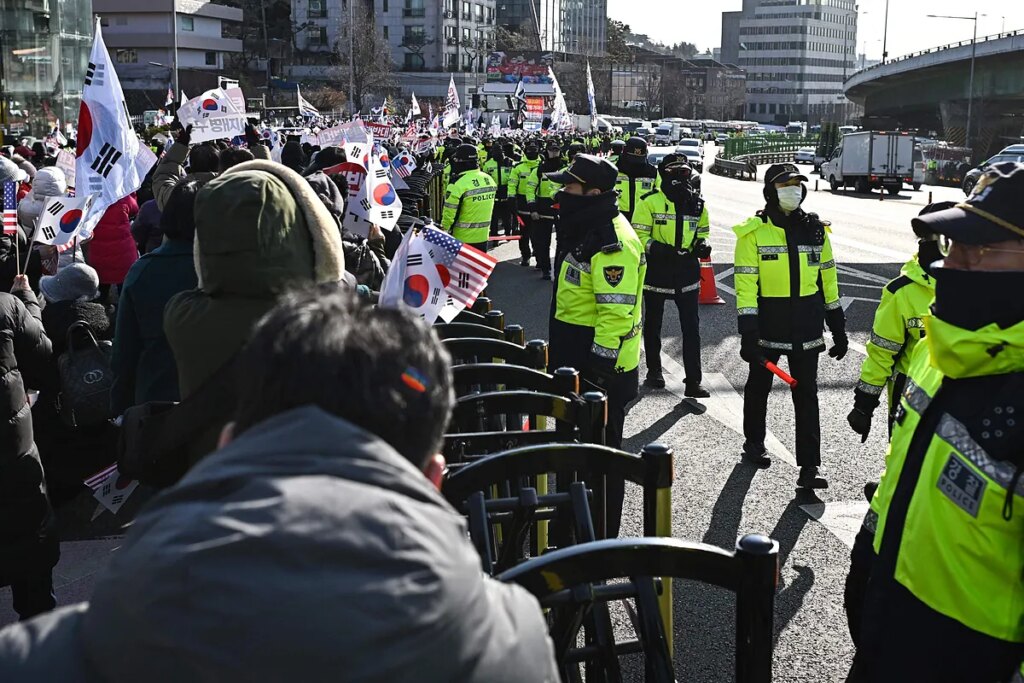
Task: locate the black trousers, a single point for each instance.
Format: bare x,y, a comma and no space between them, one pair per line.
499,218
526,230
689,322
621,390
540,237
804,369
33,596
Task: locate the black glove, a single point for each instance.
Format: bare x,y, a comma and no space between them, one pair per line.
750,350
252,138
860,422
840,346
656,249
185,136
600,371
701,249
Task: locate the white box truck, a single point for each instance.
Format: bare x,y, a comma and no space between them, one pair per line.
871,159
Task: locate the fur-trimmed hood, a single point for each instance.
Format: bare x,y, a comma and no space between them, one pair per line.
260,228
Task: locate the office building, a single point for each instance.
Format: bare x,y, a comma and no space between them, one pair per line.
796,53
571,26
156,41
584,26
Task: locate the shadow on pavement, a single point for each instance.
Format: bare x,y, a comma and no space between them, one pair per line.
653,432
728,511
790,597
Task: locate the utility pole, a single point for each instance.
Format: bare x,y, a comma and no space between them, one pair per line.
266,40
970,86
885,34
351,59
174,29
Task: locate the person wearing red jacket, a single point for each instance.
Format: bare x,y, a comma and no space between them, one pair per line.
112,249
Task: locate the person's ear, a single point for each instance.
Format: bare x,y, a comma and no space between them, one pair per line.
434,469
227,435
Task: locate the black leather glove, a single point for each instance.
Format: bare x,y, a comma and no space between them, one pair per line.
701,249
600,371
840,346
860,422
185,136
750,350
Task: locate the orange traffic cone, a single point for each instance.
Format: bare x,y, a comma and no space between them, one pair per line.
708,286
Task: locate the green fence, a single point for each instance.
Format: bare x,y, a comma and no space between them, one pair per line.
741,147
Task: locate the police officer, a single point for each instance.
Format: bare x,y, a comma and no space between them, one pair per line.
786,290
450,146
636,175
896,331
469,200
542,212
940,557
575,148
672,222
522,186
595,326
499,167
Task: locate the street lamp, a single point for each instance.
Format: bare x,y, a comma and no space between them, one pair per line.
974,53
885,34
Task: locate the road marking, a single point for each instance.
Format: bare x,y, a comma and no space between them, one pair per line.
842,518
862,274
900,256
725,405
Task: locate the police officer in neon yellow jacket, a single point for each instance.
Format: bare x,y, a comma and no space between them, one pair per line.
786,290
636,175
940,557
596,322
522,188
469,200
896,331
672,222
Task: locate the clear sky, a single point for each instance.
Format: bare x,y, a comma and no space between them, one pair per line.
700,21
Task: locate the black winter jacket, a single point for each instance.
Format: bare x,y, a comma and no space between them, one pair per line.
28,543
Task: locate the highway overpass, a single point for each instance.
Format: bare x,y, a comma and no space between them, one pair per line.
928,90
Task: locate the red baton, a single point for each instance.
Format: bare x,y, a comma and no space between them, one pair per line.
778,372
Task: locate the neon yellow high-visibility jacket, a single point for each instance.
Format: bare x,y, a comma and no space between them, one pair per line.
897,329
786,307
500,174
948,514
604,292
468,206
631,189
656,221
522,182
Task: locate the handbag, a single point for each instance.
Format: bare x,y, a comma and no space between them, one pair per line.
85,378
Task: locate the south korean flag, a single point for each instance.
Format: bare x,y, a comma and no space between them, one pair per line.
109,162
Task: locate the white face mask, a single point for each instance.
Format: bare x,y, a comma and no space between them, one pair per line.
790,197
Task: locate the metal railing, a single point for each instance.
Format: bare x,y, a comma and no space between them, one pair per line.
941,48
742,147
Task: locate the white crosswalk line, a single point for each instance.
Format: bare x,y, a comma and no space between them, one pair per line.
841,518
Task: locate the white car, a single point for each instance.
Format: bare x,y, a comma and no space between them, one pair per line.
804,155
693,156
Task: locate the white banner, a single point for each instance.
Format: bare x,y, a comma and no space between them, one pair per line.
66,163
215,114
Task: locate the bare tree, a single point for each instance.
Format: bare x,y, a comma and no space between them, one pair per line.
651,92
367,51
416,43
325,98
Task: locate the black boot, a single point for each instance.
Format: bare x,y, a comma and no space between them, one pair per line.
695,390
869,490
809,479
655,379
755,454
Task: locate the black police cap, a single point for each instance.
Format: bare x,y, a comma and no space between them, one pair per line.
783,173
992,213
589,170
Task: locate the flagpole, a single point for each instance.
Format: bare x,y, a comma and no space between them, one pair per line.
174,29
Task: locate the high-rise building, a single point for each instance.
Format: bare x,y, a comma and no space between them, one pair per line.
147,40
797,54
45,48
573,26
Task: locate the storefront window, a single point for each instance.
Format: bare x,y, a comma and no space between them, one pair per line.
44,49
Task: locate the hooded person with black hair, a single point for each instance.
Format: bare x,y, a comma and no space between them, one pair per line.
673,224
787,289
636,175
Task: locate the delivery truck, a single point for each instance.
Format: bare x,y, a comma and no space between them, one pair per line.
871,159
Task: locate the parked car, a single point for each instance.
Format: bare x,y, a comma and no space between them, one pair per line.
804,155
693,156
721,139
656,154
972,176
1013,149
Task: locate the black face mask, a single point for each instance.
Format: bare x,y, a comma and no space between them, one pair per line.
957,300
927,254
532,154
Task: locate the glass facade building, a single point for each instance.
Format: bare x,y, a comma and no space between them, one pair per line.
44,50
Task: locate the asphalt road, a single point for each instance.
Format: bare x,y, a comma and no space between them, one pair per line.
715,498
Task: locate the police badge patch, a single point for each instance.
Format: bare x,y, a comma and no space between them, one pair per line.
613,275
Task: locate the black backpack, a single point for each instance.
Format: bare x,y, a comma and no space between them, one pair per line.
85,378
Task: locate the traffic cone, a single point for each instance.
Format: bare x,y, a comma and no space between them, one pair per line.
708,286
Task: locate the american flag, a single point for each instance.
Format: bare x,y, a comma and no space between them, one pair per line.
468,267
403,165
10,207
